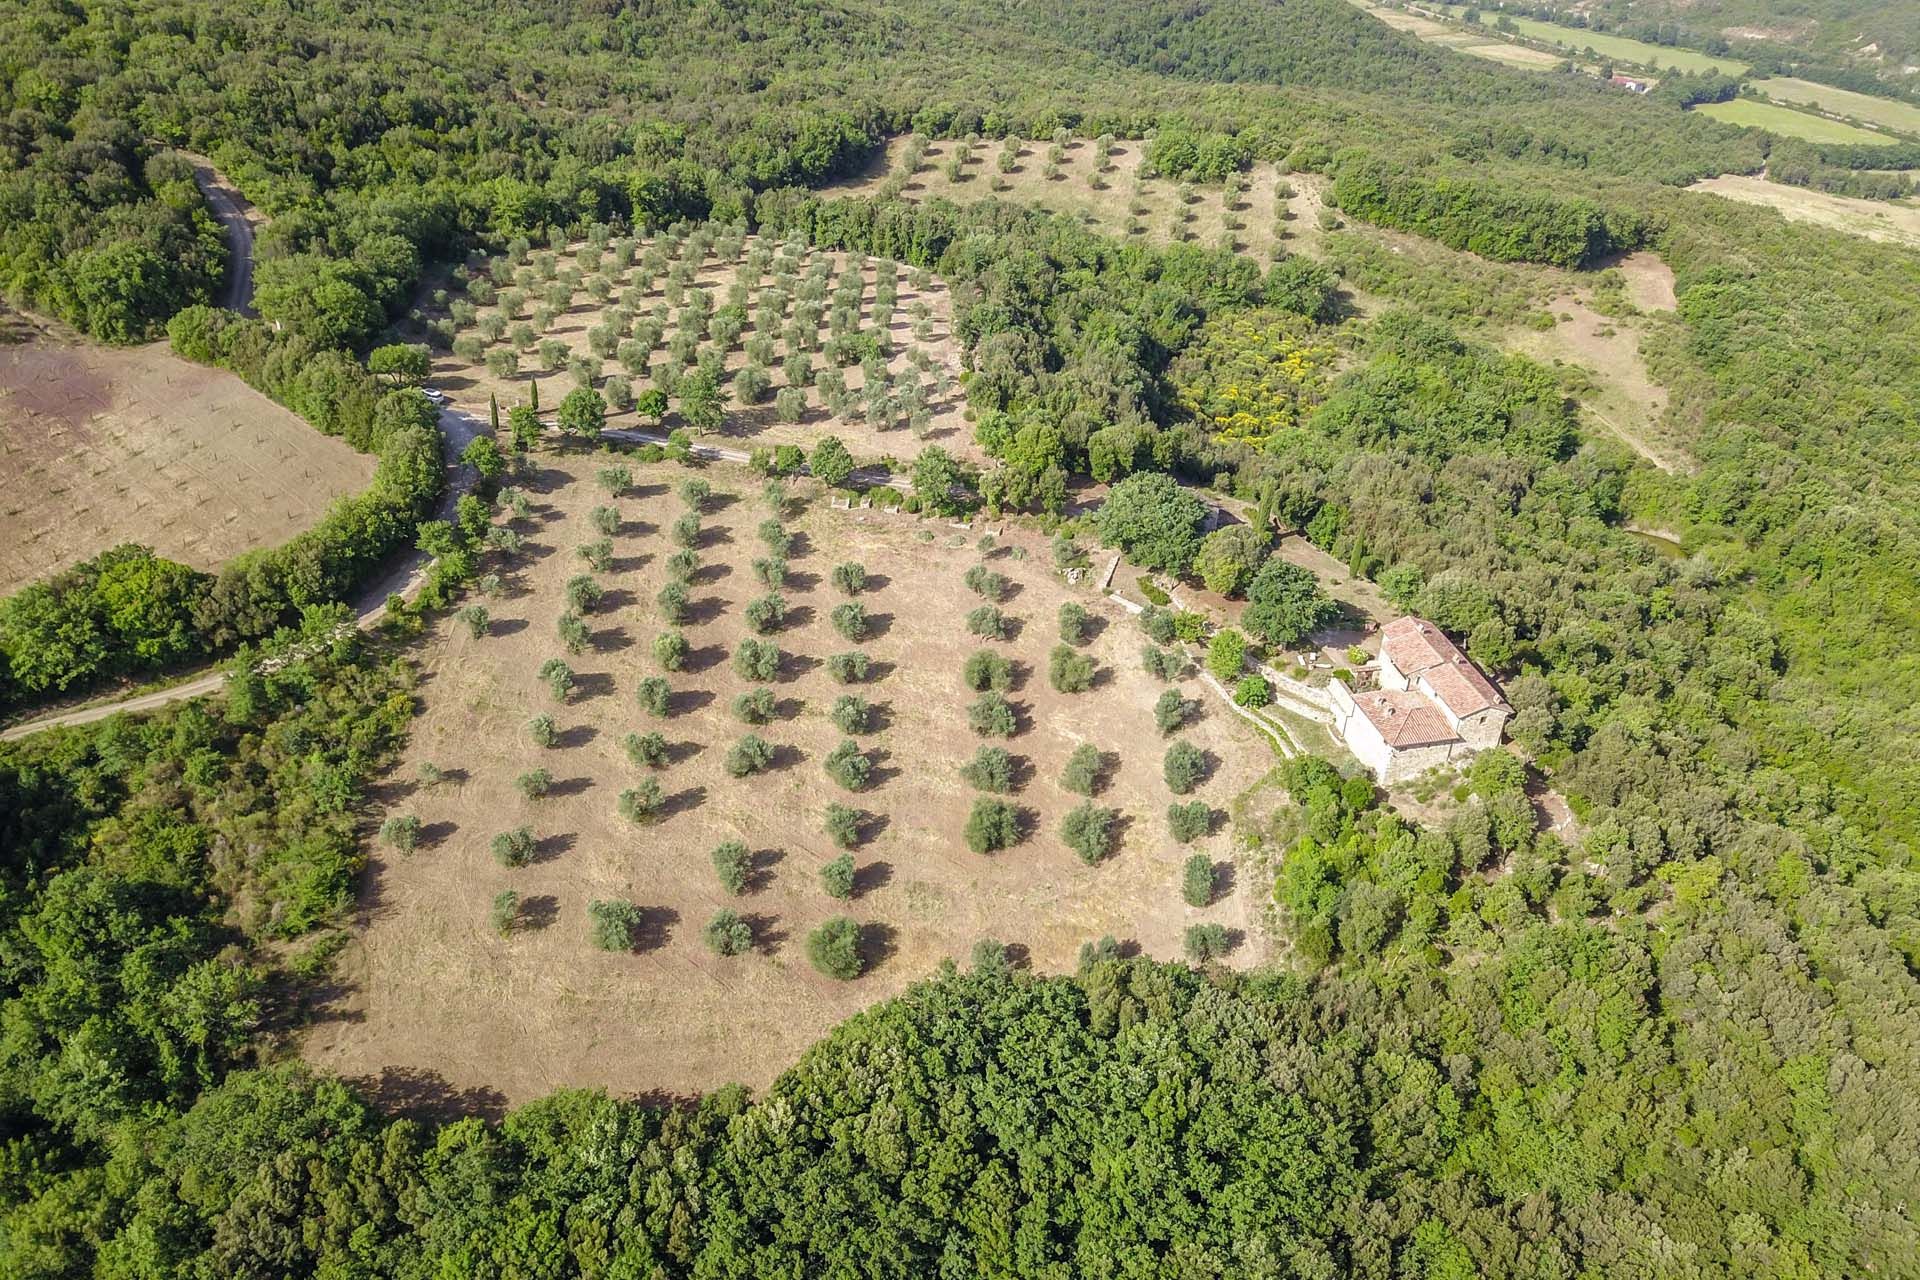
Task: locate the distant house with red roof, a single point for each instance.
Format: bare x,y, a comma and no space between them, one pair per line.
1431,705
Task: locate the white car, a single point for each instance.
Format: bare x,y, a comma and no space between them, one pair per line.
436,395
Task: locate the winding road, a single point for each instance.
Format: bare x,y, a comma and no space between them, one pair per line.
369,603
237,217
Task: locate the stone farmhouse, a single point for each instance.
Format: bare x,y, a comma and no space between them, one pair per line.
1422,704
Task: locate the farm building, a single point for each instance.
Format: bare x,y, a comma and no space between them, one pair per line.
1422,704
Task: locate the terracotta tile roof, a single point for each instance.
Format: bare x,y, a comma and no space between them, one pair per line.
1418,648
1405,718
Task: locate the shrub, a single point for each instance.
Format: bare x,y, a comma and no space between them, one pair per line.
615,480
558,677
1253,691
775,538
401,831
542,730
727,934
572,631
771,571
598,554
1204,942
1184,767
732,863
831,463
476,620
849,668
649,749
1196,881
847,765
1227,654
850,620
834,949
655,696
767,613
987,622
1163,664
514,848
682,565
1084,770
1158,624
756,660
748,756
990,770
694,492
756,706
985,670
670,650
1090,831
1189,626
1074,623
584,593
534,784
505,912
984,582
686,530
615,924
850,578
1189,821
641,804
992,825
1170,711
836,877
1068,670
992,716
843,825
852,713
606,520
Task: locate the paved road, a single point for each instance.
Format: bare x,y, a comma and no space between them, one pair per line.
406,577
237,217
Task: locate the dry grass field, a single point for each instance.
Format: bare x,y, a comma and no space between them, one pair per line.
101,446
1896,222
646,302
429,987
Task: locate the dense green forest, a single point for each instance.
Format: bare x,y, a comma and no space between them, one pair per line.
1685,1046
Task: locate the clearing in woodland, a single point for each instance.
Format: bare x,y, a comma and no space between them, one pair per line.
100,446
1897,222
430,985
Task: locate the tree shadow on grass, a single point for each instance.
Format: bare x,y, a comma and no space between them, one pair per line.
686,701
683,802
768,936
655,928
795,665
570,787
548,848
422,1094
538,911
878,943
592,684
577,736
872,877
760,865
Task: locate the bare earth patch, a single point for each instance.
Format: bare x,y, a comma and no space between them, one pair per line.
428,986
100,446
